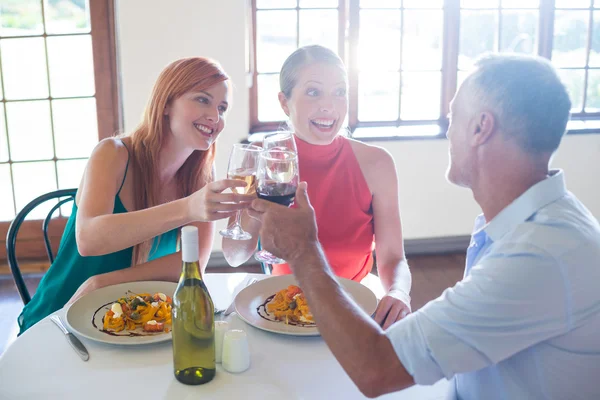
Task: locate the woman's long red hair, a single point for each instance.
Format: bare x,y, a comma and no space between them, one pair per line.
178,78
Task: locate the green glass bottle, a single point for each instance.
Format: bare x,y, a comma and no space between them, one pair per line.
193,318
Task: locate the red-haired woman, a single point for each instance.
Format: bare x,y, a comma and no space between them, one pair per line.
138,189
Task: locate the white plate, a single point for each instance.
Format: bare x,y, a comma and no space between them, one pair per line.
250,298
79,315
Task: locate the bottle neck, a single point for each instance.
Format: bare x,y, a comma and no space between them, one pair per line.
191,270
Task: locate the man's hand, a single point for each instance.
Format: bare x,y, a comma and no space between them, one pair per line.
287,232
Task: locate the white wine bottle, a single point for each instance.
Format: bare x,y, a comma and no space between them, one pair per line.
193,318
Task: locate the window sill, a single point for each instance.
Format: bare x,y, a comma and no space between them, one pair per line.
435,131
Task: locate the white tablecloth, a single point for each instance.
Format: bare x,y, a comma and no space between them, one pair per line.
41,365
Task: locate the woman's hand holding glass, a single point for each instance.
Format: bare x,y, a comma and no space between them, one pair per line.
276,181
210,204
242,166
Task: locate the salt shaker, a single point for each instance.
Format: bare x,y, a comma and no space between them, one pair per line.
236,354
220,328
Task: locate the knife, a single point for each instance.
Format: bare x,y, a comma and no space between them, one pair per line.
72,339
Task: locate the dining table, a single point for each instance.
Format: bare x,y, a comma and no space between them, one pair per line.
40,364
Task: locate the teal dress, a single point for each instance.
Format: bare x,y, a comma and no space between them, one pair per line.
70,269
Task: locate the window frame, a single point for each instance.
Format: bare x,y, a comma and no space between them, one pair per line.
109,119
349,11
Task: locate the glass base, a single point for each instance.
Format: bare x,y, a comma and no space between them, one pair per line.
235,233
266,257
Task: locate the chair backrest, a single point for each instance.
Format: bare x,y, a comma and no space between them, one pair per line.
13,230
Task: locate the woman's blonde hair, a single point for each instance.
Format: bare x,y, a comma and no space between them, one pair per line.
178,78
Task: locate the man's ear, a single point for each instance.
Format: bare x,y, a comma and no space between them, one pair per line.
284,103
483,128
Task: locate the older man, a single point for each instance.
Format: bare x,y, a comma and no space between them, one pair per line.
524,322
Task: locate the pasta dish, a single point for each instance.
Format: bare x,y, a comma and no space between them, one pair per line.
139,312
289,306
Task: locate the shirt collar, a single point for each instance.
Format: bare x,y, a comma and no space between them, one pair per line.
524,206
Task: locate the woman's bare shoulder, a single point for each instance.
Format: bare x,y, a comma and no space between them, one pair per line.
111,155
370,156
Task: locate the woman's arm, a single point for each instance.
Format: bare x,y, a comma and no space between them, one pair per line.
389,246
167,268
379,170
99,231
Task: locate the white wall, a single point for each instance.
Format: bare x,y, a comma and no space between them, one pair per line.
153,33
432,207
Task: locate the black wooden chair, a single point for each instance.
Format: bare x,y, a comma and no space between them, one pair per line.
13,230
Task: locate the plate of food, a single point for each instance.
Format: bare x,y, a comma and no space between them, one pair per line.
277,304
128,313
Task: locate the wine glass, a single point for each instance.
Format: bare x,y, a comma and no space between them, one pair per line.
243,161
276,181
283,140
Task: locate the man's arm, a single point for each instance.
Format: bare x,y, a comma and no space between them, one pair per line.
357,342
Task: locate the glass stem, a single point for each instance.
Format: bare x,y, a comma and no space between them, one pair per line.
238,217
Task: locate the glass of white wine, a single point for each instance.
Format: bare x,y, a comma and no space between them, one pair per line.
243,162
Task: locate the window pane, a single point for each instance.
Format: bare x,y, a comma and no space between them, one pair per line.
422,45
380,3
70,173
21,18
520,3
421,93
3,142
29,130
319,3
75,127
71,66
595,50
593,91
379,40
572,3
519,31
479,3
276,37
276,3
478,35
570,38
24,68
67,16
378,96
573,80
69,176
32,180
423,3
7,208
319,27
269,108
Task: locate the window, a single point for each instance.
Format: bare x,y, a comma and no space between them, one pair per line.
407,57
57,98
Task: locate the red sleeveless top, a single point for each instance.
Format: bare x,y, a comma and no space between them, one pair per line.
341,198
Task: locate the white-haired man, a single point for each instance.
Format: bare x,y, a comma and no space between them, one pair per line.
524,322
